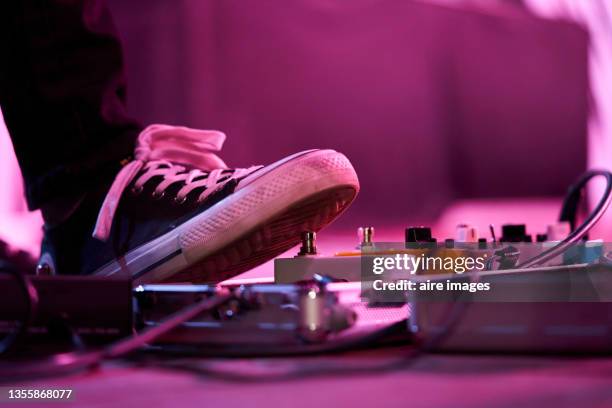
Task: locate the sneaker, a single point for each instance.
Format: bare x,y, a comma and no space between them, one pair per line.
178,213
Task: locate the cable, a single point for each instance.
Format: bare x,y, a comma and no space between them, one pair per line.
338,344
65,363
568,213
308,367
31,296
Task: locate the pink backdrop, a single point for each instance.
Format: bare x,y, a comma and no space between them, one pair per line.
432,104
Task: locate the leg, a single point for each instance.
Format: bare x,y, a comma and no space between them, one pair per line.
62,93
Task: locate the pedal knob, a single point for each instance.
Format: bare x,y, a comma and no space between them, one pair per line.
515,233
419,234
558,231
309,243
366,235
466,233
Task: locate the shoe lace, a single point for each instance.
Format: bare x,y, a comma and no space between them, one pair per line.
165,151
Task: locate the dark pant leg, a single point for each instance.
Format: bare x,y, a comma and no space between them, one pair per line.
62,94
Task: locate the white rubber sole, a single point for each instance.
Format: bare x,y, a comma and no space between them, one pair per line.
261,219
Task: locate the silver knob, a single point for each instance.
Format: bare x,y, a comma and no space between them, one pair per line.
366,235
309,243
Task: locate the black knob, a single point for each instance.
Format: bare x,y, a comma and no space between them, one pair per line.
482,243
515,233
419,234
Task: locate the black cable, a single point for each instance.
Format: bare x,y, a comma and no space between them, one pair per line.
338,344
299,370
31,306
302,369
568,213
407,357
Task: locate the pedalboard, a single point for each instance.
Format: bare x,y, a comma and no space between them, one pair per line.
266,315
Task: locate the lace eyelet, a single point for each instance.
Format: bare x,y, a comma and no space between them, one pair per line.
137,190
157,196
180,200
